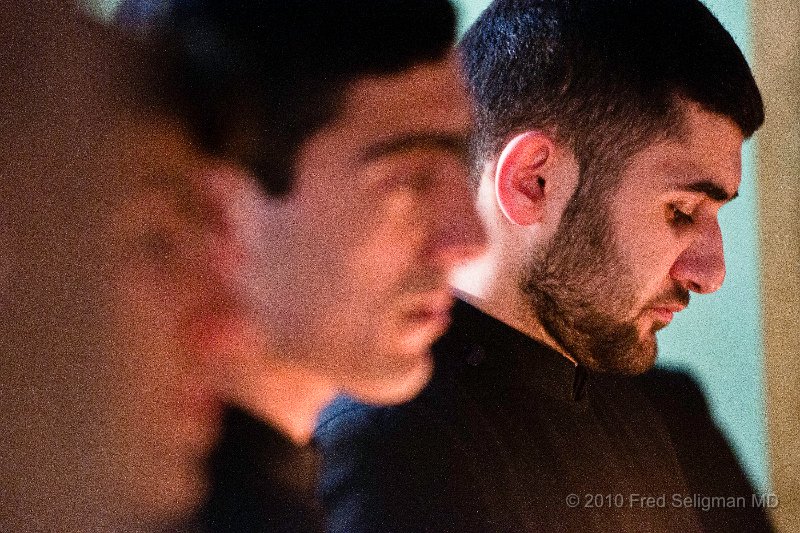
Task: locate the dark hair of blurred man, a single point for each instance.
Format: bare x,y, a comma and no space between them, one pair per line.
340,130
609,135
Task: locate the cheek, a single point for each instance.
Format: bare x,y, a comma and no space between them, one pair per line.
155,298
393,243
158,431
405,224
650,253
146,324
8,269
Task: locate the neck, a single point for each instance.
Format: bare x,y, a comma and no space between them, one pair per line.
487,286
288,397
492,282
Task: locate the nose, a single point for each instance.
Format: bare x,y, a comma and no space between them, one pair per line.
460,234
701,267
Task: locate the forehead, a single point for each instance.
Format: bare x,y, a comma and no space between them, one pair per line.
708,150
427,98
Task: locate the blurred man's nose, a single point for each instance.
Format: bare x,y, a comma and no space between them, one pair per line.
701,267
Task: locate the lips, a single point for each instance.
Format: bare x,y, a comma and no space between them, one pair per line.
424,318
430,311
431,304
665,313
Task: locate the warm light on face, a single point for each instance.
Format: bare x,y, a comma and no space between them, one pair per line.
163,416
353,282
625,268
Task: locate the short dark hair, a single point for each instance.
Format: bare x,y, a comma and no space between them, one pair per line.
606,77
254,79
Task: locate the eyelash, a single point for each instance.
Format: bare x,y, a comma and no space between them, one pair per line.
680,218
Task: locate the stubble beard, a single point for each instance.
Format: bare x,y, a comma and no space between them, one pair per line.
583,293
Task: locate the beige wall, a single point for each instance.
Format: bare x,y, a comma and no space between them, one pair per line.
776,25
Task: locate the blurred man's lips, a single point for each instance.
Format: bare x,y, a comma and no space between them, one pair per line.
431,311
430,316
433,301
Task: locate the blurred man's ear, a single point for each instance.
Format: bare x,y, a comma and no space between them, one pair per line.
225,192
521,177
228,332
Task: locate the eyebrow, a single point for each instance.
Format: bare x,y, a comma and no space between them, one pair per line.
711,189
454,143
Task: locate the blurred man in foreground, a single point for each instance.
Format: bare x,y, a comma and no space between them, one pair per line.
340,134
608,138
304,163
107,413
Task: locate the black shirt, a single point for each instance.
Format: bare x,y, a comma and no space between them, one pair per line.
511,436
261,482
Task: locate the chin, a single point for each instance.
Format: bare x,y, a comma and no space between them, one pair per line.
160,504
418,334
399,387
633,356
178,471
641,359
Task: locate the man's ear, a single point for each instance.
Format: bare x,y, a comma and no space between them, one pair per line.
521,177
227,193
227,330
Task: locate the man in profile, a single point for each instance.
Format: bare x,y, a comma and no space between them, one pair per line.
340,133
608,137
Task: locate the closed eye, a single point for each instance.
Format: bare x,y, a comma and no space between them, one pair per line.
679,217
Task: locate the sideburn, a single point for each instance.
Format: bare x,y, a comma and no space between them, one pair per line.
580,289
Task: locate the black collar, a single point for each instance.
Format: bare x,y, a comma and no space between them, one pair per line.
490,345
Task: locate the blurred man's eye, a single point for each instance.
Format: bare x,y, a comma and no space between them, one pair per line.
156,245
415,181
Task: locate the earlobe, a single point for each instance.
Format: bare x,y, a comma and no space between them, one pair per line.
520,182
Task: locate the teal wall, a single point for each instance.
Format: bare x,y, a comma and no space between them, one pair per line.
718,337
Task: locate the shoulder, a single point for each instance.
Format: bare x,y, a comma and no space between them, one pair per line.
709,463
345,415
347,419
377,462
393,468
680,404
